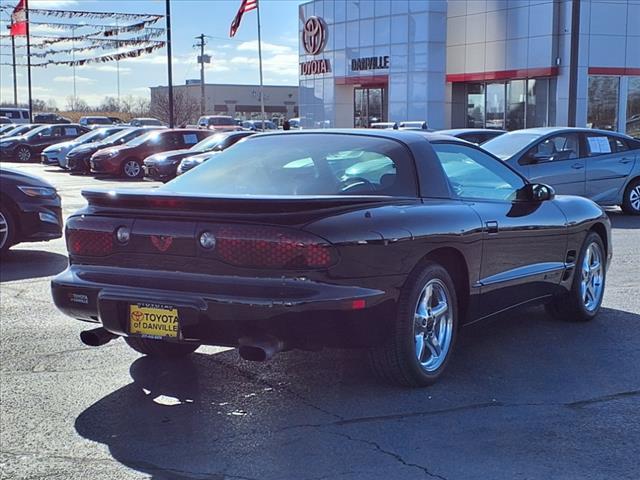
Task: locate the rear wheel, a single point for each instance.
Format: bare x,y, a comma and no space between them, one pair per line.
631,201
159,348
132,169
424,331
7,229
23,154
583,301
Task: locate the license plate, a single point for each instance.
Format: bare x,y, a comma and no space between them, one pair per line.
154,320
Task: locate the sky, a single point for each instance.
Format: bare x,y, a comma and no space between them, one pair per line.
235,60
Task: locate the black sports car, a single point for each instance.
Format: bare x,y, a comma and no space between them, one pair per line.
389,240
30,209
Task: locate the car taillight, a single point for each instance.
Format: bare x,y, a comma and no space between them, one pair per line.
268,247
90,243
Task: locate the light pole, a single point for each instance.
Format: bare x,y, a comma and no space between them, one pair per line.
169,61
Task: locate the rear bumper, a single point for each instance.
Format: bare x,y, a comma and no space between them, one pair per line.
218,310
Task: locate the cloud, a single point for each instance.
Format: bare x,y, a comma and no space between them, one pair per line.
69,79
285,65
107,68
51,3
252,46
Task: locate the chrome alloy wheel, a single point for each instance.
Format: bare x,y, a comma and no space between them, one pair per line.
433,325
592,284
634,198
132,169
4,230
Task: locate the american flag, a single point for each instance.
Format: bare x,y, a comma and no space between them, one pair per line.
245,6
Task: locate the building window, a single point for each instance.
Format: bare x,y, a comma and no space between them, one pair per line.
633,107
602,109
495,105
516,104
475,105
537,101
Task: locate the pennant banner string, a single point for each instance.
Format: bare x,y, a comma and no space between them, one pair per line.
84,14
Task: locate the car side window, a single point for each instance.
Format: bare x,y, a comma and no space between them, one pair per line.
473,174
618,144
557,148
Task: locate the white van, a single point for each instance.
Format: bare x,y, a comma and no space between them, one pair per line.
16,115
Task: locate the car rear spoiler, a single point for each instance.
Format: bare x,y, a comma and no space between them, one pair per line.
145,199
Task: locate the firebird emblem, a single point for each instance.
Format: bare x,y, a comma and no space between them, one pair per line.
162,243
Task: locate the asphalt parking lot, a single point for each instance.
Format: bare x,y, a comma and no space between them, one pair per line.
525,397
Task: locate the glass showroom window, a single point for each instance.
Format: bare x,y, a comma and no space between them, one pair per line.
602,110
475,105
537,101
633,107
495,105
516,99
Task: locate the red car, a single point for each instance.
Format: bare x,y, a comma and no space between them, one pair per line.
127,160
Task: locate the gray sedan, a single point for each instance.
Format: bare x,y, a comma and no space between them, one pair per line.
601,165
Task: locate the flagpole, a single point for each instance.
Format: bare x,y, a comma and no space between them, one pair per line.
26,8
260,61
169,62
15,75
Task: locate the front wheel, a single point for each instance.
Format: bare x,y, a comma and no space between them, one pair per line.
158,348
7,230
424,331
132,169
631,201
23,154
583,301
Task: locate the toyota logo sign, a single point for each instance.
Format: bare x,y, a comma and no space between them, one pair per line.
314,35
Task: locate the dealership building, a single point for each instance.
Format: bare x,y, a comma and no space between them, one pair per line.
471,63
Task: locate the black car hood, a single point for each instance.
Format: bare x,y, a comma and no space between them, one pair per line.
170,156
14,176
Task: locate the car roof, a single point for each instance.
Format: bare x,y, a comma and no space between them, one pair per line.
541,131
458,131
405,136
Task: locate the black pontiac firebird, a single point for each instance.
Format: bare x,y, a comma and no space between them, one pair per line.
385,240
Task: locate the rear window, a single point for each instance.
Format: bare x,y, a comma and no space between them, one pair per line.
310,164
221,121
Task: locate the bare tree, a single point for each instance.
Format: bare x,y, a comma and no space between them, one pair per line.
185,108
109,104
75,104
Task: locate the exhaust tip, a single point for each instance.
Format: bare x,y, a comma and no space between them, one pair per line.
253,354
97,337
259,349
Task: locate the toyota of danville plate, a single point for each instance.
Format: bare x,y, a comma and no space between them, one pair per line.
385,240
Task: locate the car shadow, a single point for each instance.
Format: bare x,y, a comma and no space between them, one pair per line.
621,220
217,416
21,264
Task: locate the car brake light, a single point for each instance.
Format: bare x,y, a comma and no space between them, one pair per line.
258,246
90,243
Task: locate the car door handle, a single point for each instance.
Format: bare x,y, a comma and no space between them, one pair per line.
492,226
626,160
577,166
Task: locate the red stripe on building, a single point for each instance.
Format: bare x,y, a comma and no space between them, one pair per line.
503,74
613,71
365,80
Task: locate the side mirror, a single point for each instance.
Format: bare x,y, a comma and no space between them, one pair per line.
536,192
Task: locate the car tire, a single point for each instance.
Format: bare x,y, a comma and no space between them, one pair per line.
398,359
161,349
132,168
23,154
7,229
631,201
582,303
